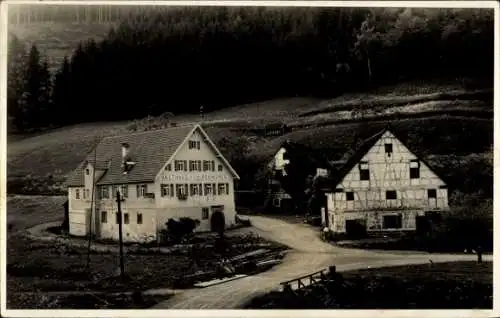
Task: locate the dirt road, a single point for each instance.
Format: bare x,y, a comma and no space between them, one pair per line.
308,254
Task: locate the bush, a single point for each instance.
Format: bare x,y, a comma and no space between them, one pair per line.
242,220
177,231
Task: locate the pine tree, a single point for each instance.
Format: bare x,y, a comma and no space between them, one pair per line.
29,104
15,74
45,100
61,93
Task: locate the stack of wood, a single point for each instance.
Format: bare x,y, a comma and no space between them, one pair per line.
248,263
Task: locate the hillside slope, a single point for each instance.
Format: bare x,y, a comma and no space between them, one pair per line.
55,40
437,124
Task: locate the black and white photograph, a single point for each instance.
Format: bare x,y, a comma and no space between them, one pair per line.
259,155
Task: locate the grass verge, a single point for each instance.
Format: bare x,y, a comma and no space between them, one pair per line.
453,285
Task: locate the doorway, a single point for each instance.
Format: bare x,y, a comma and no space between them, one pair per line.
217,220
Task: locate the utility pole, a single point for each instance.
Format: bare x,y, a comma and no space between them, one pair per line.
120,234
92,201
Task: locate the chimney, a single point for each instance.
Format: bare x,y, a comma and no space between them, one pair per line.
127,164
125,152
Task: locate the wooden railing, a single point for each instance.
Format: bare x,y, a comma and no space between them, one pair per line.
313,278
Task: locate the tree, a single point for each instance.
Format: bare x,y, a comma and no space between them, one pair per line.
29,111
45,96
367,40
61,93
15,76
295,178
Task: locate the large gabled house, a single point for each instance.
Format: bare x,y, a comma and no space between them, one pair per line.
168,173
382,187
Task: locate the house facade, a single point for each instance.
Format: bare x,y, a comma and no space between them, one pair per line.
169,173
384,186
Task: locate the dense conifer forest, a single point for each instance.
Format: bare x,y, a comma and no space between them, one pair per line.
175,59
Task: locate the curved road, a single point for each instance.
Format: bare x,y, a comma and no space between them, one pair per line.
308,254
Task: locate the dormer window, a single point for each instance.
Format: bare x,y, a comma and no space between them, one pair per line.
87,171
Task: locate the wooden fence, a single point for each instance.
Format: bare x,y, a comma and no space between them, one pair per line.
308,280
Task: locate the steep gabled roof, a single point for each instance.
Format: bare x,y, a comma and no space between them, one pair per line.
363,150
149,150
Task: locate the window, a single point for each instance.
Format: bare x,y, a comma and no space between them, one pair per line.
206,165
392,221
84,193
349,196
88,193
194,144
204,213
104,192
388,149
181,189
222,188
180,165
167,190
113,191
193,165
141,190
168,167
87,171
126,218
195,189
219,167
208,189
104,217
414,169
139,218
212,165
124,191
364,172
391,195
77,194
431,193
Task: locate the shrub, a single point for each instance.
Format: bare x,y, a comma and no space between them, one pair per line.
177,231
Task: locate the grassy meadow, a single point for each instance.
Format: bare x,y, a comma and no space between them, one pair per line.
314,122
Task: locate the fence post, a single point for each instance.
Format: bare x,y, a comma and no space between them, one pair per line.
332,270
479,254
287,288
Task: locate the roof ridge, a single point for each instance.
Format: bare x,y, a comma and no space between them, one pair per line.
150,131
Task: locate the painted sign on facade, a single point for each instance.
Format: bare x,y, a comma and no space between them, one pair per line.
194,178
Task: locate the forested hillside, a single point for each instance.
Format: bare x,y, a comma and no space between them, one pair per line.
177,59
